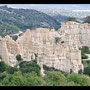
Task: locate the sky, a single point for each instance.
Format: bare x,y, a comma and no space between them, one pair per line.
62,6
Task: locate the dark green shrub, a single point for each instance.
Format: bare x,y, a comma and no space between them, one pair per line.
29,66
78,79
80,71
7,68
35,60
46,69
0,57
87,70
85,49
11,70
83,56
62,41
3,66
33,79
3,75
15,37
85,63
54,78
20,34
15,79
88,61
71,19
49,68
19,58
71,71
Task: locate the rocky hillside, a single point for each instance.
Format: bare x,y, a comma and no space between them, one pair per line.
53,48
14,20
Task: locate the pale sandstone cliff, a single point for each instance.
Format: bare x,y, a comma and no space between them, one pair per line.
63,56
83,30
4,50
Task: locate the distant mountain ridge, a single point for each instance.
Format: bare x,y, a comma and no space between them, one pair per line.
64,12
14,20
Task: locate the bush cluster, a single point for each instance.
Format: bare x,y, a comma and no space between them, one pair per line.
71,19
84,50
29,75
29,66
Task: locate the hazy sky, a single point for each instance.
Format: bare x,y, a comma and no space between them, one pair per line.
64,6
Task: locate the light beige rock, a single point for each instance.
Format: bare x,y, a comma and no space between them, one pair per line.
42,42
63,56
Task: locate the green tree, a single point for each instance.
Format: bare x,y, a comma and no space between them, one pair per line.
3,75
29,66
15,37
18,79
80,80
3,66
87,70
83,56
19,58
54,78
33,79
46,69
71,19
15,79
85,49
11,70
5,79
80,71
67,83
71,71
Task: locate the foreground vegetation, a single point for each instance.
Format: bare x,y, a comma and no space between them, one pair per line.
28,74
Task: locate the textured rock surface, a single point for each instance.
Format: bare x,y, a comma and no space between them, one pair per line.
4,51
82,30
63,56
42,41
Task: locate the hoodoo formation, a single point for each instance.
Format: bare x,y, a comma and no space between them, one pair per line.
59,49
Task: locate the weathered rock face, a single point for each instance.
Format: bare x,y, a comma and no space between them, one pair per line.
8,50
4,51
82,30
42,41
13,50
63,56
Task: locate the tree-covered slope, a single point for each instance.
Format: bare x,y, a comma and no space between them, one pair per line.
60,18
13,20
